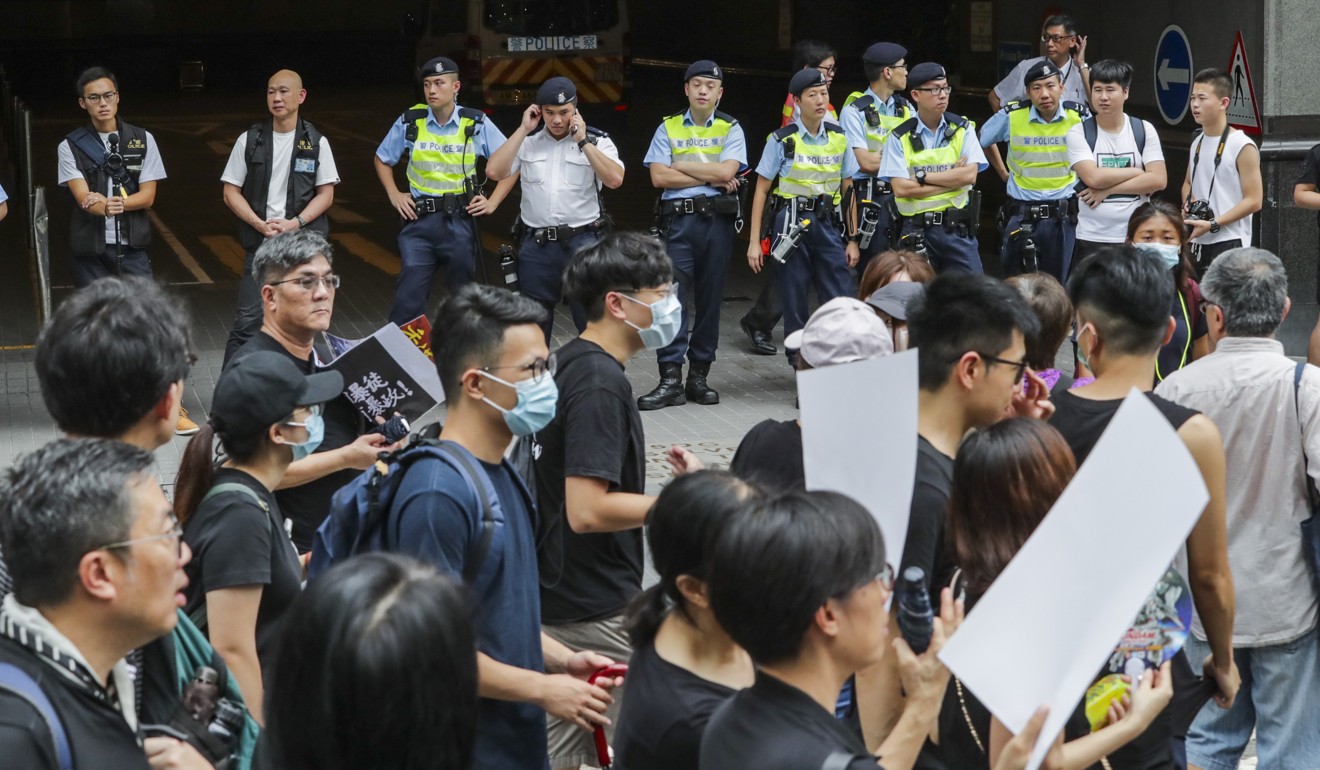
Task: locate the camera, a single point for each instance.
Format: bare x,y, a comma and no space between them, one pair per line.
1200,210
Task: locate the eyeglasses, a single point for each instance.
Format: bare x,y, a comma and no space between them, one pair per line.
175,532
828,70
1055,38
938,90
315,410
1204,304
539,368
1021,365
310,282
899,66
885,578
108,97
663,293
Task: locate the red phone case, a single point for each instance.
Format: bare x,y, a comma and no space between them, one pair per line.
612,671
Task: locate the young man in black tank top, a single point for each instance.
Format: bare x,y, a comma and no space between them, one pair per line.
1122,296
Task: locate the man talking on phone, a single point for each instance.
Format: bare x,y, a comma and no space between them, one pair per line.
563,163
1063,48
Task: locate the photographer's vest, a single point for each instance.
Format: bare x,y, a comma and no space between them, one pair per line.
930,160
88,230
877,135
304,161
1038,152
698,144
440,164
817,168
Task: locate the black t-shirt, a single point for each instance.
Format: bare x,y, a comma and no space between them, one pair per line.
1083,420
1311,170
308,504
771,455
773,725
665,714
1189,325
597,433
235,543
924,546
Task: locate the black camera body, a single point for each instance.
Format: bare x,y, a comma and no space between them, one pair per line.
1200,210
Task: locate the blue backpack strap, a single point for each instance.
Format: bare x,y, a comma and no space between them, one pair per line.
480,483
21,683
89,143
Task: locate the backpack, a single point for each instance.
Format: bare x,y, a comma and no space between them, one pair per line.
192,650
19,682
360,511
1092,132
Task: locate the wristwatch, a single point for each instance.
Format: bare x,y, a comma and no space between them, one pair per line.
589,139
301,222
921,176
1214,226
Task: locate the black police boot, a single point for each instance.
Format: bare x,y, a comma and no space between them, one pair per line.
668,393
697,391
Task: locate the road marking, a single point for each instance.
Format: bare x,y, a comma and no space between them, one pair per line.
369,252
17,347
337,130
227,250
180,250
342,216
219,148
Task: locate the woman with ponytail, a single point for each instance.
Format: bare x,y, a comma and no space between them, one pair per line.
683,665
245,572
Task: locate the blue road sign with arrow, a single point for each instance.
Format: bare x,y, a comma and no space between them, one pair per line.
1173,74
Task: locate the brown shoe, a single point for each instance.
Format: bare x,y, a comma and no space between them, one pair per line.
185,427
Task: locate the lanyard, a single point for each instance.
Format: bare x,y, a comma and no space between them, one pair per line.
1219,156
1187,345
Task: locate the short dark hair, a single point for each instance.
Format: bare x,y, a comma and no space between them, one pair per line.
109,353
621,261
1127,294
810,53
92,74
1049,301
681,529
1112,71
474,320
1217,79
287,251
1006,477
802,548
1060,20
379,645
59,502
961,312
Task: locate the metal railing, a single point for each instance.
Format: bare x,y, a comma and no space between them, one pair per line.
18,135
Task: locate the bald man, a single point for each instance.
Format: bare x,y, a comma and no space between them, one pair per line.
281,176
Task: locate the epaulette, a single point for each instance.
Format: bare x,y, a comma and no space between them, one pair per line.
414,114
957,120
1021,104
726,117
906,127
862,102
472,114
787,131
596,132
835,127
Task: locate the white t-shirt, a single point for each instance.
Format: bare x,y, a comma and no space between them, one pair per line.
1107,223
1228,185
281,158
152,170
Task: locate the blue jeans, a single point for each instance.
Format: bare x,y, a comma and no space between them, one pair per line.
1280,699
430,241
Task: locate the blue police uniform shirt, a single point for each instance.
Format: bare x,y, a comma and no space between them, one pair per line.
894,164
3,196
773,163
487,139
997,129
735,148
854,122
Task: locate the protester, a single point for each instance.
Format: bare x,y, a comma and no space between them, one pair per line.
245,572
684,664
377,672
891,303
1157,228
1049,300
891,267
1265,405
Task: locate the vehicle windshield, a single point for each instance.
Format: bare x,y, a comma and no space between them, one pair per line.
551,17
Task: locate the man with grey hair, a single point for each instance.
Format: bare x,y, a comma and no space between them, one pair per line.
97,561
1267,408
293,273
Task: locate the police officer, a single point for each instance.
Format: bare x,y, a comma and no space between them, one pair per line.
1041,211
562,163
111,169
443,141
280,176
867,121
695,157
931,161
810,157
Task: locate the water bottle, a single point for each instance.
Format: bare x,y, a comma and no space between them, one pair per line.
870,221
789,241
509,267
916,620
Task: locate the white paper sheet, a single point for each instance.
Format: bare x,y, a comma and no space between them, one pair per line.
859,437
1043,629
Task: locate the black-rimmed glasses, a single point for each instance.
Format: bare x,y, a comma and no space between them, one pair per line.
539,368
1021,365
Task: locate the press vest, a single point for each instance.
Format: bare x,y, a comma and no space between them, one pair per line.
1038,152
440,164
817,168
88,230
876,136
921,158
700,144
304,162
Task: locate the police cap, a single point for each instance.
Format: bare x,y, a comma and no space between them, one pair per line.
440,65
884,54
1041,70
925,72
703,69
556,90
804,79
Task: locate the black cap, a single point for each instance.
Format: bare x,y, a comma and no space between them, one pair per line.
893,298
924,73
260,389
1041,70
884,54
703,69
440,65
804,79
556,90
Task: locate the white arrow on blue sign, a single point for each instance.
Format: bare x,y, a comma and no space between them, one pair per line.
1173,74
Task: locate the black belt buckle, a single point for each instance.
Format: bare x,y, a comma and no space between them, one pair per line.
806,204
689,206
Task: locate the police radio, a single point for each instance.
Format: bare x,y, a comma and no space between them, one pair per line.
509,268
872,116
1027,247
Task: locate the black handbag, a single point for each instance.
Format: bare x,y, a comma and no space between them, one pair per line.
1310,526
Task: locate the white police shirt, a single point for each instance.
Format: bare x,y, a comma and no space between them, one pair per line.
558,184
